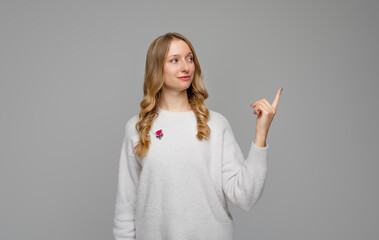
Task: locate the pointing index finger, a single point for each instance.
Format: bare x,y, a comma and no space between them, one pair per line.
276,100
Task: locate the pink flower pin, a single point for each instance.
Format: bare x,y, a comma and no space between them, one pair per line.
159,134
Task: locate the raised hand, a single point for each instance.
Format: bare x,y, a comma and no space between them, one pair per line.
265,114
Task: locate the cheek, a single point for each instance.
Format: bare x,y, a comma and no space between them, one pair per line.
192,66
169,71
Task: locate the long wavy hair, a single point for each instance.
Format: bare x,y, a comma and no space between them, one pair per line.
152,89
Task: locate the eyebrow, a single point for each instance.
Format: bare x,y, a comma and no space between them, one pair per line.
179,54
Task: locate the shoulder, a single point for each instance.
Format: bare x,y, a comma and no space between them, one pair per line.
217,120
130,126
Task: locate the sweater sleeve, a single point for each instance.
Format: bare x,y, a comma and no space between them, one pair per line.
243,179
128,177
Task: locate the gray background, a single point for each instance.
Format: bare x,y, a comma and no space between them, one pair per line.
72,74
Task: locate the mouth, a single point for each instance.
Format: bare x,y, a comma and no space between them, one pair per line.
184,77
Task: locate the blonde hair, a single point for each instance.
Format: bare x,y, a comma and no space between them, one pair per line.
152,89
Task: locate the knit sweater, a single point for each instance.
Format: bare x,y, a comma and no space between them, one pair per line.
178,191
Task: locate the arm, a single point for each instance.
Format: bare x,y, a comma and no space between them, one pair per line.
243,180
128,175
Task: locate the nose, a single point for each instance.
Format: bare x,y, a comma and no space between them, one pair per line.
185,66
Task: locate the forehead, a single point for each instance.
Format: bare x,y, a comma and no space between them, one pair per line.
178,47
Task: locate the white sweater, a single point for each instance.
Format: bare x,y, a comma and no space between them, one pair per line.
178,190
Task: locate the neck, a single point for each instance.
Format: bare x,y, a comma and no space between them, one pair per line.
174,101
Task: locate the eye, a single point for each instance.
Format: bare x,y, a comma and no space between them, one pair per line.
191,59
174,60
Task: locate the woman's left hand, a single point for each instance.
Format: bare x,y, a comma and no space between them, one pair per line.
265,112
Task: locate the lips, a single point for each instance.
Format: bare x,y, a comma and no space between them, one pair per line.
185,77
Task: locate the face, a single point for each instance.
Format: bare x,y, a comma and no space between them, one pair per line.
178,63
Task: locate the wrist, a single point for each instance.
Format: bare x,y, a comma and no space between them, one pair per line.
260,140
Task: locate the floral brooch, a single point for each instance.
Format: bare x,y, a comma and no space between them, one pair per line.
159,134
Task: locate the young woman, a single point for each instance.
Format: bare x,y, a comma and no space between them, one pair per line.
180,160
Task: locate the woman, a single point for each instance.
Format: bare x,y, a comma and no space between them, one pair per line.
179,160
